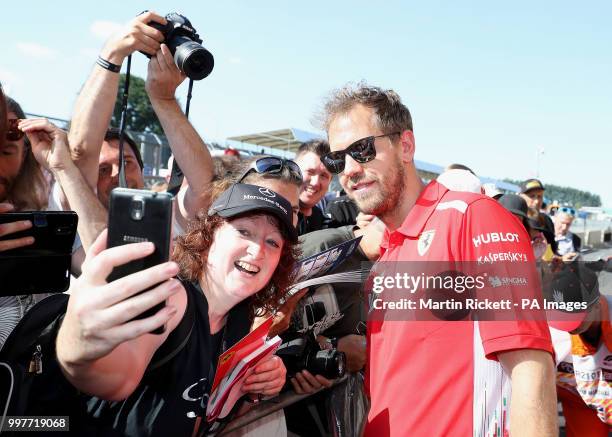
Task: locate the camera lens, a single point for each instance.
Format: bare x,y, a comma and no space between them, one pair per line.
137,208
193,59
329,363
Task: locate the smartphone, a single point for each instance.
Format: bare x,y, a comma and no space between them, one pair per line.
44,266
137,216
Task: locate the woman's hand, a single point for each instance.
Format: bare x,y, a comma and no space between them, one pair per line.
11,228
100,315
267,378
49,143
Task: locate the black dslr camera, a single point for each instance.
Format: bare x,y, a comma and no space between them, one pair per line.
304,353
300,349
185,44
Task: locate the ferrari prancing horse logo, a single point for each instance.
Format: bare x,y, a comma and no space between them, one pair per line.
424,242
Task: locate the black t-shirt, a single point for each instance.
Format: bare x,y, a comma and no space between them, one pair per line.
171,400
314,222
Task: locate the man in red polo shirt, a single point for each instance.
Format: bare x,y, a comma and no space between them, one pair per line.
437,377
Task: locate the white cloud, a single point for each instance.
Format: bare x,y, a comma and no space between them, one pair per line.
104,29
36,50
9,80
235,60
89,53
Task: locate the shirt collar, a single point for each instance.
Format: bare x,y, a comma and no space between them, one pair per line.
566,237
423,208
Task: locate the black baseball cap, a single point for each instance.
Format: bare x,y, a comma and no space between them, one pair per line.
515,204
531,184
242,198
575,290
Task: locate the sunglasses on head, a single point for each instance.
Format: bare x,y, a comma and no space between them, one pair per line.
567,210
362,151
272,165
13,133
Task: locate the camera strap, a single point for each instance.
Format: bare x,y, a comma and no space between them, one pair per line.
124,103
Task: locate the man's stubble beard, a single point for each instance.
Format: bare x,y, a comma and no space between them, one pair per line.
386,199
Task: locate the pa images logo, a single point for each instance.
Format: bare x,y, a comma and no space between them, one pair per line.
425,240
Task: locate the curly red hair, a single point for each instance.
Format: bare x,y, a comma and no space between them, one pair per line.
191,252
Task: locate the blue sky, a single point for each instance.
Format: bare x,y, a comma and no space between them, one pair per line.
488,83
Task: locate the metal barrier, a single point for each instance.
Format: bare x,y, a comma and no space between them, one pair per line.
264,408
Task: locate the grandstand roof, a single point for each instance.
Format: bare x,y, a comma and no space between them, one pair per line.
287,140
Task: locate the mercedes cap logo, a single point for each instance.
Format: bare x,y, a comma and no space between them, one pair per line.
267,192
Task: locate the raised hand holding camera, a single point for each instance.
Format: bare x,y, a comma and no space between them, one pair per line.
163,76
185,45
137,36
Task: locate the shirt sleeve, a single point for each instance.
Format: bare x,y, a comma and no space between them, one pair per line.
493,237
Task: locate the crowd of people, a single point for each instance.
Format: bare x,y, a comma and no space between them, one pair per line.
233,254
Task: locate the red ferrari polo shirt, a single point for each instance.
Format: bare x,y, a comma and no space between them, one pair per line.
440,378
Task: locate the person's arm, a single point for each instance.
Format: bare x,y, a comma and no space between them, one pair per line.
100,348
94,106
50,148
188,148
533,407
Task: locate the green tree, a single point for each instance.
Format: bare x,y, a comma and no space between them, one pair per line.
140,114
577,198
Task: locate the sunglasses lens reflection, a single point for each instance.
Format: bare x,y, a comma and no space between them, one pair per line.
275,165
268,165
363,151
334,162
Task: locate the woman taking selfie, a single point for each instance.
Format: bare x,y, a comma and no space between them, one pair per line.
236,259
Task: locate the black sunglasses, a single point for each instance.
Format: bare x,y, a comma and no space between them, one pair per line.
362,151
13,133
272,165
